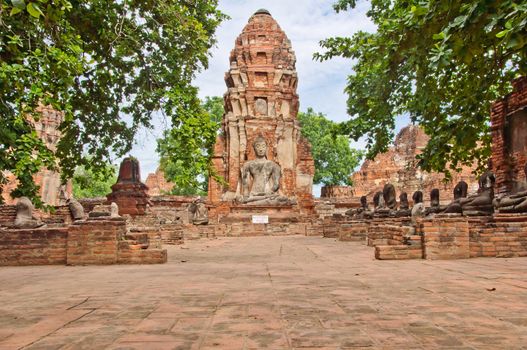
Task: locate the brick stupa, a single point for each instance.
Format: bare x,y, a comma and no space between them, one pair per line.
129,193
261,104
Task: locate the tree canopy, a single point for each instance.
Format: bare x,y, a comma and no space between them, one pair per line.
334,159
189,168
108,66
441,61
89,184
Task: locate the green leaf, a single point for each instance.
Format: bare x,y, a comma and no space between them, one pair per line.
14,11
19,4
34,10
502,33
439,36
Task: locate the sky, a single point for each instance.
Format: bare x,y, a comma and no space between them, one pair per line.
305,22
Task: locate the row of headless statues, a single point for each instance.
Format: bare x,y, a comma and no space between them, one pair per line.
481,203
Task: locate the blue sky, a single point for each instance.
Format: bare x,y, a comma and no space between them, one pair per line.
306,22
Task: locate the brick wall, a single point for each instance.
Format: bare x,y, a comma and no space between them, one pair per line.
89,203
94,242
344,228
43,246
446,238
7,214
336,192
507,158
381,230
504,236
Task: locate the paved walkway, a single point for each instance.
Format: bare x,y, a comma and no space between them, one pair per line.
268,293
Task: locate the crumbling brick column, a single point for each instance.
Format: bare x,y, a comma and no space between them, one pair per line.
509,137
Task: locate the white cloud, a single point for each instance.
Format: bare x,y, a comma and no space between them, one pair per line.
306,22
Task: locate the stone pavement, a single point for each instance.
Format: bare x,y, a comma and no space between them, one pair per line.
268,293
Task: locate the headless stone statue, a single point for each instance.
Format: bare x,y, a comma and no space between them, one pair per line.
114,210
435,206
24,214
389,203
378,202
480,203
260,178
361,213
63,195
403,201
364,209
388,194
404,206
460,191
417,197
418,209
76,209
200,213
515,203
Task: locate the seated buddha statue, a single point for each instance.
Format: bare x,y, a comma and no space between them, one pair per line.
480,203
260,178
460,192
516,202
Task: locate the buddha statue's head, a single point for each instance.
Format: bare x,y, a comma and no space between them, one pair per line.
260,147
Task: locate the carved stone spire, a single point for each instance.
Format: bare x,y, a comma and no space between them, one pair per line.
261,102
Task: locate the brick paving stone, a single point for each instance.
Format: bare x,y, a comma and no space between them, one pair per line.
274,293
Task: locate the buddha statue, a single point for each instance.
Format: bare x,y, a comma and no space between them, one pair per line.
404,206
387,202
199,212
360,213
480,203
378,201
417,197
76,209
435,206
418,209
516,202
460,191
24,214
260,178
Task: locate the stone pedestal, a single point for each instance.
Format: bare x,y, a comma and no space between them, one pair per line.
446,237
129,193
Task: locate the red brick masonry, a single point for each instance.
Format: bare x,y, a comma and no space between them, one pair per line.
509,131
443,237
92,242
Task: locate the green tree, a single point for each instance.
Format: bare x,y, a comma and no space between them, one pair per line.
189,168
441,61
214,106
334,159
89,184
98,61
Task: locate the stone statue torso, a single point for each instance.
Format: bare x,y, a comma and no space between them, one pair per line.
265,177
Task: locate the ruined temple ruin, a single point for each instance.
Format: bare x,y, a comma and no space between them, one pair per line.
47,128
489,222
157,183
261,103
268,173
398,167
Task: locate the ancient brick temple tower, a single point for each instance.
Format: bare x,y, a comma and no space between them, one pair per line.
261,103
